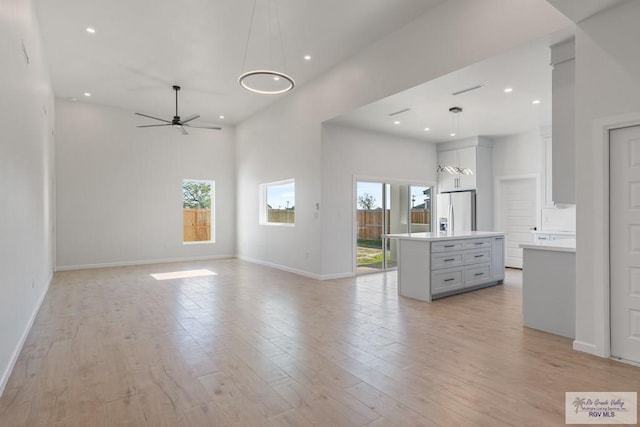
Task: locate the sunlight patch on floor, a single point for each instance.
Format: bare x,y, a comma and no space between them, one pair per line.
183,274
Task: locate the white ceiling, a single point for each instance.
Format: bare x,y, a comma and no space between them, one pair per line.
487,111
579,10
143,47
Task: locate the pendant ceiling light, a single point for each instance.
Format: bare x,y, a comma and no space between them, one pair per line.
265,79
455,120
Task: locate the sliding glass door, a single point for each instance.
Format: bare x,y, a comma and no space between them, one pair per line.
372,222
387,208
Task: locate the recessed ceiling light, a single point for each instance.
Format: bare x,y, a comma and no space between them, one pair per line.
222,117
276,78
91,30
452,134
73,99
508,90
427,129
536,101
397,122
307,57
87,94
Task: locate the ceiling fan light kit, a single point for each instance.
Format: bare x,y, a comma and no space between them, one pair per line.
176,122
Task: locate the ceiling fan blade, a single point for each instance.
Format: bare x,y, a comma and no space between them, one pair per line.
151,117
182,130
153,126
191,117
204,127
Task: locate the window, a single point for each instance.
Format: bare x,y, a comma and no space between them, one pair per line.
278,204
197,211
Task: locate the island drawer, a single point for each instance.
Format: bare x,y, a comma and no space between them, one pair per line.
476,274
447,260
477,243
446,280
447,245
475,257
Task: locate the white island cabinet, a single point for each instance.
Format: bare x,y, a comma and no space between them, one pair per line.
434,265
549,286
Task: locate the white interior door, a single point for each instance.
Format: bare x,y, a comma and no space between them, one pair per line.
624,243
518,216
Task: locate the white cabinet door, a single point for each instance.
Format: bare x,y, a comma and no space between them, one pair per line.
446,181
497,258
464,158
467,158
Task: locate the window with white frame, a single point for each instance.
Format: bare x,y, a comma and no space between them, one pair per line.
278,203
197,211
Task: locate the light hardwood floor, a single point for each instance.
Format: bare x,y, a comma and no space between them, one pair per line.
252,346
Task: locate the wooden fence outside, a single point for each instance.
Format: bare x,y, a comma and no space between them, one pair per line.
282,216
196,225
370,221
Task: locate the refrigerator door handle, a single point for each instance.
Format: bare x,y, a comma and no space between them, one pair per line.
452,217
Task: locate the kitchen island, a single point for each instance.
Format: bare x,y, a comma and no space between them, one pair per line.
549,286
435,265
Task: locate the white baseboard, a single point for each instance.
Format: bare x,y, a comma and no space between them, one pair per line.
16,353
585,347
336,276
294,270
140,262
279,267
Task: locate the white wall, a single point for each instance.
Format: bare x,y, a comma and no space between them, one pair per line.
119,197
516,155
285,140
26,179
349,153
607,84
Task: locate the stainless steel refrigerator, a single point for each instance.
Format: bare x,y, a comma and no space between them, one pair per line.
457,211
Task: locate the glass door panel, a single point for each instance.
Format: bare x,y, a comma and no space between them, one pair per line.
420,216
371,222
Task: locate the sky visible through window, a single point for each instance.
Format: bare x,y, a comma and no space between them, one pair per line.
281,196
375,189
417,194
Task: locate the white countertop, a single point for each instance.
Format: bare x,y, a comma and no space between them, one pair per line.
445,235
563,245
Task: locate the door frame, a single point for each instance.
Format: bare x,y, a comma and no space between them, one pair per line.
354,207
600,203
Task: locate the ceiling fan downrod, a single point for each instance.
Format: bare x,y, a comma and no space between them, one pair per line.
176,88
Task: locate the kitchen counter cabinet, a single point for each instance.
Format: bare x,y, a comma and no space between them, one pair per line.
548,286
435,265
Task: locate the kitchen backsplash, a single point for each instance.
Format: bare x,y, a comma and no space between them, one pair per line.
559,219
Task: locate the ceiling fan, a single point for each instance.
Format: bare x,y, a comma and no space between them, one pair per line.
176,122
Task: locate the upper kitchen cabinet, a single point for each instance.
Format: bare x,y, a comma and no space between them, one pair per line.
463,158
563,119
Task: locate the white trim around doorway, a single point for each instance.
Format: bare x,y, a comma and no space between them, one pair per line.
601,345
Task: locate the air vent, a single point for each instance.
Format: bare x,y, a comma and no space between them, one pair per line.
400,112
466,90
